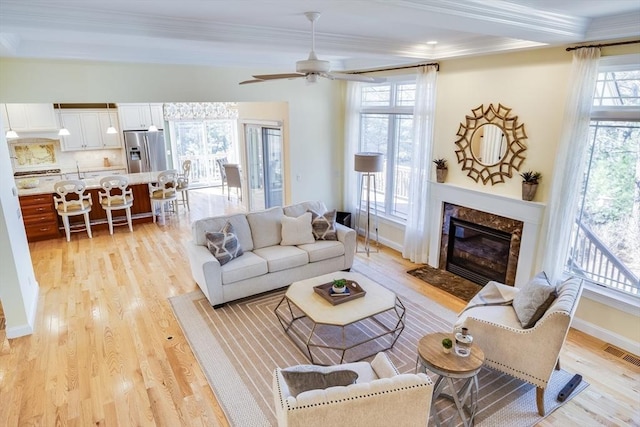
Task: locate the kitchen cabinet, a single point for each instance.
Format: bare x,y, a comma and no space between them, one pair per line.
39,217
30,117
140,116
88,130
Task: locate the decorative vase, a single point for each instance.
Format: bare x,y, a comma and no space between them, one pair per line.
441,174
446,350
529,190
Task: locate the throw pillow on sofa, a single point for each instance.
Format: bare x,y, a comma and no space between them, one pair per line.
533,300
297,231
324,226
308,377
224,244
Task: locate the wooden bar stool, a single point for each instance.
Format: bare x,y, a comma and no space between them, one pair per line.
116,196
183,183
71,201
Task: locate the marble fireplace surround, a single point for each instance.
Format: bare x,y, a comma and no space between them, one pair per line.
530,213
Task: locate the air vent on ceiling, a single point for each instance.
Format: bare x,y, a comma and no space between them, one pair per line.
87,105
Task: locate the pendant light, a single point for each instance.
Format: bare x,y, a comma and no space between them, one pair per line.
153,127
110,130
10,133
63,130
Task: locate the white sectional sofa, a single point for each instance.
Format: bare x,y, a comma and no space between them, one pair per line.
265,264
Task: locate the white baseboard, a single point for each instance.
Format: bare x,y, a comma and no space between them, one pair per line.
27,328
606,335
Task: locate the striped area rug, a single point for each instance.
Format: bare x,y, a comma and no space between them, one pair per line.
238,347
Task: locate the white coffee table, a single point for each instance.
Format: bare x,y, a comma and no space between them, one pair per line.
313,323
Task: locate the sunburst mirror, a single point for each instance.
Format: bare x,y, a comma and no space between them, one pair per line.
491,144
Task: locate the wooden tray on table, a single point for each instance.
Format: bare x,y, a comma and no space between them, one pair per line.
354,291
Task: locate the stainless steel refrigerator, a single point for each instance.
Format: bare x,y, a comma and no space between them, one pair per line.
146,151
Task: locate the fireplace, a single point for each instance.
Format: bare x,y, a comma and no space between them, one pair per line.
477,253
522,219
479,246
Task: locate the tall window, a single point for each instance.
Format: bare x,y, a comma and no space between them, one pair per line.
386,126
606,235
202,142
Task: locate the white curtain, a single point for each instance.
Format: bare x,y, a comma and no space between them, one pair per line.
352,139
570,161
416,233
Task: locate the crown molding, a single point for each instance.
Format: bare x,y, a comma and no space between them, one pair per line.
613,27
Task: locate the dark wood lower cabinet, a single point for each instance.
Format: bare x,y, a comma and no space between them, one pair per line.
42,222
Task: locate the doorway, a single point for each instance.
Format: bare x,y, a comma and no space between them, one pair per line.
264,166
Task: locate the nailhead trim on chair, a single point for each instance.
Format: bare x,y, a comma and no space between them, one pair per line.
352,397
519,372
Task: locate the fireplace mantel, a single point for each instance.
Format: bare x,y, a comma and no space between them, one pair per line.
530,213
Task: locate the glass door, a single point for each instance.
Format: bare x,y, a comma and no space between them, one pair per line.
264,166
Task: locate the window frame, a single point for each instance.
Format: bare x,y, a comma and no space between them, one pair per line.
612,297
394,113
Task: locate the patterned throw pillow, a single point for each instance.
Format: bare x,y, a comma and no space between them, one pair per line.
224,244
324,226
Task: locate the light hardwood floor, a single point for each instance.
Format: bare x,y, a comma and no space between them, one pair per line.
107,349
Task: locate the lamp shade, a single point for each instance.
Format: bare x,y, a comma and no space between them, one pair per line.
369,162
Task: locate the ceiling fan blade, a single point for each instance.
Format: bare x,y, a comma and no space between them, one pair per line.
354,77
278,76
251,81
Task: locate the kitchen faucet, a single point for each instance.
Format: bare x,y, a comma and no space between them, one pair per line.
78,169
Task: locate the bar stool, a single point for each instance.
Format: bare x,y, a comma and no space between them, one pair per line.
183,183
69,205
164,191
116,196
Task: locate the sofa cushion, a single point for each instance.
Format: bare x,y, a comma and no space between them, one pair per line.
309,377
298,209
282,257
224,244
200,227
297,231
323,249
324,226
266,227
533,300
247,266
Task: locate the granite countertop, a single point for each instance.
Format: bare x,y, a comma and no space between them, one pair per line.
46,187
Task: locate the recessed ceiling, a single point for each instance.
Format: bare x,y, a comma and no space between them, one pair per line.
352,34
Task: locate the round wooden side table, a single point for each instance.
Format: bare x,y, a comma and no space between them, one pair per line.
432,357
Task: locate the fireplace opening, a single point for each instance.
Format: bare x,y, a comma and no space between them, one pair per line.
476,252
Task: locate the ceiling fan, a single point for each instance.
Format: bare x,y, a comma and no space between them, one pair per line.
313,67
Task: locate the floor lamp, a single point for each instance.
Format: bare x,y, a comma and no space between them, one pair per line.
368,164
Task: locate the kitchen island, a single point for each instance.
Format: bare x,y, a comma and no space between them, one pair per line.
42,222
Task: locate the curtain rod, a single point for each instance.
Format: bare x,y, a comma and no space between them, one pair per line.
395,68
603,45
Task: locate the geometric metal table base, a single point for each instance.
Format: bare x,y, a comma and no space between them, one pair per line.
285,313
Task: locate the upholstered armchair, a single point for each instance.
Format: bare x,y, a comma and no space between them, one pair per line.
379,397
530,354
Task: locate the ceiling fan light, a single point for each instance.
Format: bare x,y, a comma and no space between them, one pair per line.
152,128
64,132
11,134
111,130
312,78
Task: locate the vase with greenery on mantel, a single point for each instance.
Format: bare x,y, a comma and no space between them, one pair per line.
441,169
530,184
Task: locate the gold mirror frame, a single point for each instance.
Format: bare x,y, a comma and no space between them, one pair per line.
512,130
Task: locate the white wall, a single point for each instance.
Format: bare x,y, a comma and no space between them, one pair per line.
18,286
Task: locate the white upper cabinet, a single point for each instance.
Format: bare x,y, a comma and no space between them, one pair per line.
29,117
140,116
88,130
